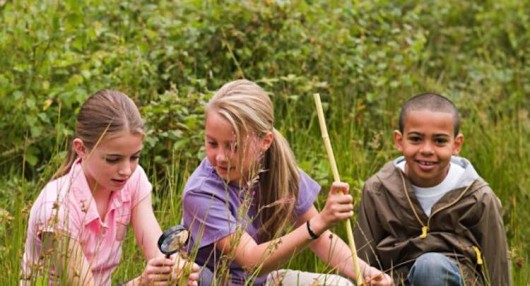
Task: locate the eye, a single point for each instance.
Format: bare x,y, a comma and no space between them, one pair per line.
112,160
135,157
211,143
441,141
414,139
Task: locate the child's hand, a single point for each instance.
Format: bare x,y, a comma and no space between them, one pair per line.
183,268
193,279
339,205
375,277
157,272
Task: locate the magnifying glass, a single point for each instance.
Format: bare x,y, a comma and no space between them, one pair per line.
173,239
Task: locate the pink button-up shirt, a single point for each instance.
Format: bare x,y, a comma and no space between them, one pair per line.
66,205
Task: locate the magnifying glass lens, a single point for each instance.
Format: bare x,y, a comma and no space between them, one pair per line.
173,239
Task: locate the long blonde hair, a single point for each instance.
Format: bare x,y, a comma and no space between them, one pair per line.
250,111
103,113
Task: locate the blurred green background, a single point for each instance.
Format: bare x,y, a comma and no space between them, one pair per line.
364,58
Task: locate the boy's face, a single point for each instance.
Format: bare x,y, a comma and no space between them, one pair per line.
427,143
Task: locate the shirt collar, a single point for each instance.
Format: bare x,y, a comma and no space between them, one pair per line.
83,195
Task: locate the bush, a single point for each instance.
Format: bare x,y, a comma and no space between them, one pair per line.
363,57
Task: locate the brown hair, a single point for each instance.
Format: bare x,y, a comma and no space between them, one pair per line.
104,113
250,111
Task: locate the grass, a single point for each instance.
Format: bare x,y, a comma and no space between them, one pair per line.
497,148
365,57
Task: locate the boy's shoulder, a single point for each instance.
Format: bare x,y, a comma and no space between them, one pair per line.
387,172
387,175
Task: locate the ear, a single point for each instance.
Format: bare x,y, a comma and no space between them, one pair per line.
79,147
457,146
266,141
398,140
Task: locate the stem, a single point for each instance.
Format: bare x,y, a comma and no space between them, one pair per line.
333,163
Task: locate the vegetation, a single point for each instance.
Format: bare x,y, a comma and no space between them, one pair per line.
363,57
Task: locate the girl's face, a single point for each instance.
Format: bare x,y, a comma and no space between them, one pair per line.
427,143
222,150
108,166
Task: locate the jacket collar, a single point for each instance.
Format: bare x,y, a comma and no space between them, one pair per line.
397,183
469,176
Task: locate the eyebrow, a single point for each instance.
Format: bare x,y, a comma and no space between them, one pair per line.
208,137
121,155
434,135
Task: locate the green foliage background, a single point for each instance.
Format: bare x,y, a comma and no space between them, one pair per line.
363,57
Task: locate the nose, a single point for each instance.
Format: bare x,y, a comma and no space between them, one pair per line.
427,148
220,156
125,168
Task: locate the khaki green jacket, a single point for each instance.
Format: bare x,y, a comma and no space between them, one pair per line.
465,224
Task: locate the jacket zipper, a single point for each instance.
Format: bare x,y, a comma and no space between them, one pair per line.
425,228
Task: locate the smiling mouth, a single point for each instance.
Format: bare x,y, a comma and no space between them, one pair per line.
425,163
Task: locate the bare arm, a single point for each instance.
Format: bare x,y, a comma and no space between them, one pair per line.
146,228
333,250
158,269
68,259
269,256
336,253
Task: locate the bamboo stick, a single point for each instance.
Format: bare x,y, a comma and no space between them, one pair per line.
333,163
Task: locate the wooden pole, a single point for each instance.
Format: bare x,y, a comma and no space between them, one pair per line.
333,163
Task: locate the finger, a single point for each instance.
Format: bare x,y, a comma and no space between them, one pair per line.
347,215
159,278
161,283
340,200
159,270
388,280
342,211
195,267
380,280
344,207
194,276
339,188
164,268
161,261
345,199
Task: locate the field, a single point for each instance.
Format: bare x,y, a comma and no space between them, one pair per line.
363,57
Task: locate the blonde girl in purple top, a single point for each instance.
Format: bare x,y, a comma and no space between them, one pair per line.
250,208
79,221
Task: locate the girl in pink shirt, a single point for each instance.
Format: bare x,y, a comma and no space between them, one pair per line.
79,221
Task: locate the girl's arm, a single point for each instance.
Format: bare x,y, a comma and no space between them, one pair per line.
146,228
68,259
336,253
269,256
147,231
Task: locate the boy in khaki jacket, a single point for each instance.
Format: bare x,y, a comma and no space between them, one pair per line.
427,217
